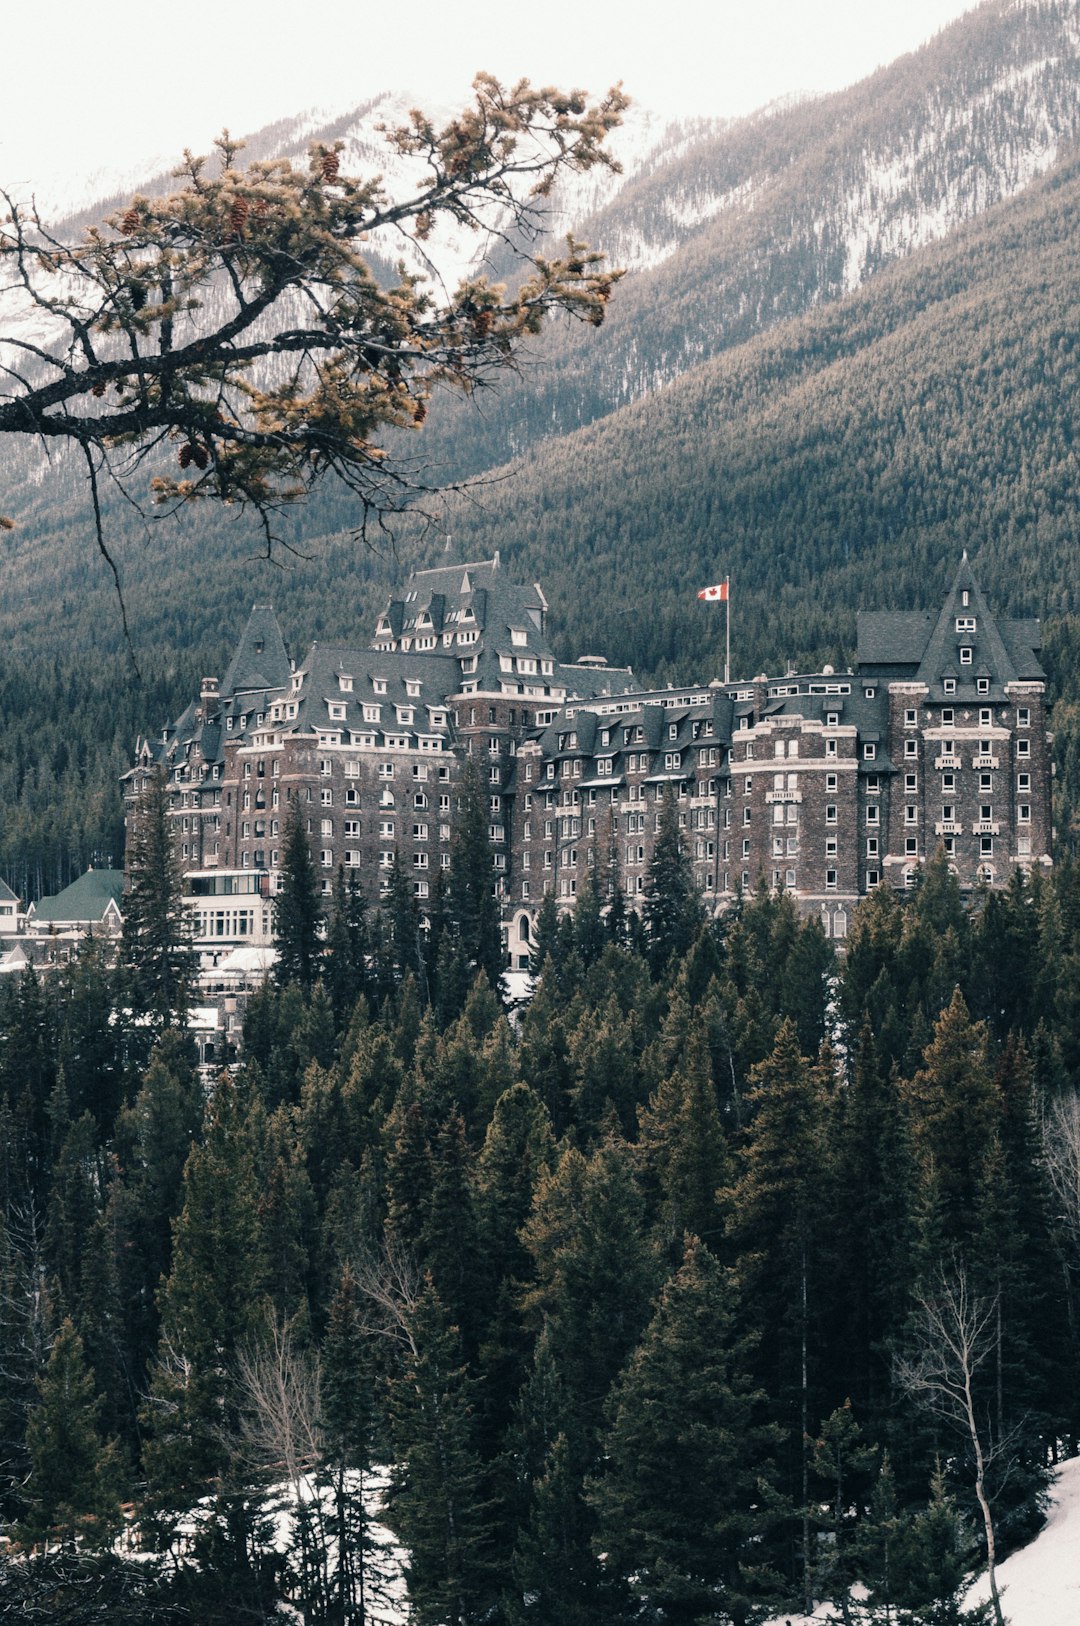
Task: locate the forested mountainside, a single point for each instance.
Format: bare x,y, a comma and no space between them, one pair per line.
840,458
773,215
635,1293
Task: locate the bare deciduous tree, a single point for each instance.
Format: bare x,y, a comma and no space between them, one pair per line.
955,1333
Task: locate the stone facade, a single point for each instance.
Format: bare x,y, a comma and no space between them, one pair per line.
826,784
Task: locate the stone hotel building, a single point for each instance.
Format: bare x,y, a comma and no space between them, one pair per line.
827,784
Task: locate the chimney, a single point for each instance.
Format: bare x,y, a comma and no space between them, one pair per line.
208,696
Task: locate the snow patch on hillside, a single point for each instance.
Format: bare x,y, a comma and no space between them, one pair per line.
1039,1583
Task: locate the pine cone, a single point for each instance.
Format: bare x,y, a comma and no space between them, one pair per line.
331,164
238,216
186,452
98,389
130,222
200,456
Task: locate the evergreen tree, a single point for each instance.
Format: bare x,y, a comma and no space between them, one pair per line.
206,1310
297,909
780,1210
683,1150
347,1395
472,908
545,937
156,954
673,911
347,947
684,1497
73,1489
436,1504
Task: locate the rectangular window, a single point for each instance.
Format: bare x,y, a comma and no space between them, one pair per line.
966,653
830,880
1023,717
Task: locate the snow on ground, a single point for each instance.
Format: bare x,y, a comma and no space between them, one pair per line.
1039,1583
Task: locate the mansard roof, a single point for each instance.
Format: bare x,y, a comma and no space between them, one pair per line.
378,677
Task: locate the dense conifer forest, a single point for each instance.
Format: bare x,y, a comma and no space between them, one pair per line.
628,1308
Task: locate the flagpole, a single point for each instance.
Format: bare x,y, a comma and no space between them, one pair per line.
727,644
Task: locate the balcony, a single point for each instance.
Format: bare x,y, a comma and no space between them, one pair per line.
947,762
984,762
948,827
783,796
986,827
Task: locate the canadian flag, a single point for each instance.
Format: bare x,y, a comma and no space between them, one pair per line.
720,591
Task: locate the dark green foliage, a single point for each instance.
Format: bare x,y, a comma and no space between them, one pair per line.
437,1502
472,910
684,1498
506,1204
673,910
297,909
347,973
74,1483
158,962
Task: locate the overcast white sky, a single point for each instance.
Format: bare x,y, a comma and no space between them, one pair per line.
111,83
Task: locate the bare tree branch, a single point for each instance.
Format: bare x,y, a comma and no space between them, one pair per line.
238,318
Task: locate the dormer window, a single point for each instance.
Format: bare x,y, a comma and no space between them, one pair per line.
412,687
948,685
337,710
832,719
982,685
379,685
869,751
673,731
965,623
965,598
519,636
344,683
966,654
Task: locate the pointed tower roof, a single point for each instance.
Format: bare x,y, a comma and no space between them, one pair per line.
261,660
965,637
926,644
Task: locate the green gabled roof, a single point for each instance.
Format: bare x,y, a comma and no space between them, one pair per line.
85,899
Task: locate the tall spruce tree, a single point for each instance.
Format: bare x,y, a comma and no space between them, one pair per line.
297,909
683,1499
157,958
673,911
437,1500
472,908
73,1488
